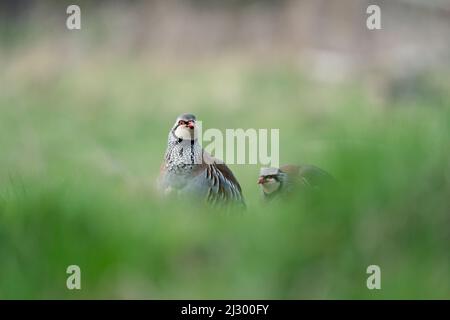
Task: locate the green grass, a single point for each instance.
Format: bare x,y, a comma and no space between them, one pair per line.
81,149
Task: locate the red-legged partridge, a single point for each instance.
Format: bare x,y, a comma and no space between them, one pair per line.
190,171
287,179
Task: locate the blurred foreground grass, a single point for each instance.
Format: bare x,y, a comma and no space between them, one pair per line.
81,148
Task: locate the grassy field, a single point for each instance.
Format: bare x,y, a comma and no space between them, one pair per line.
81,149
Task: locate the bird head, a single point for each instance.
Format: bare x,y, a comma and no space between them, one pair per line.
270,179
184,128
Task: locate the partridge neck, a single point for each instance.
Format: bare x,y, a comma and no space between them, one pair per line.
183,155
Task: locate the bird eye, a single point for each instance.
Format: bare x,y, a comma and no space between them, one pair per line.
181,122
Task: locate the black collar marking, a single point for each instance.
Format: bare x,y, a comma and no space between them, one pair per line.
179,140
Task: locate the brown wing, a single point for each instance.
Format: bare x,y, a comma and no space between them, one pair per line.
162,168
290,169
308,175
223,186
159,180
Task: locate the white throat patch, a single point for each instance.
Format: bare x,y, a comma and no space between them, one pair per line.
185,133
271,186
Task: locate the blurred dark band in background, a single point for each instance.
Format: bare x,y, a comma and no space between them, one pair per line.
328,39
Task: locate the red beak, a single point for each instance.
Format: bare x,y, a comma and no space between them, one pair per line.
191,125
261,180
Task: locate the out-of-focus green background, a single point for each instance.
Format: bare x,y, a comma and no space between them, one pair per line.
84,117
